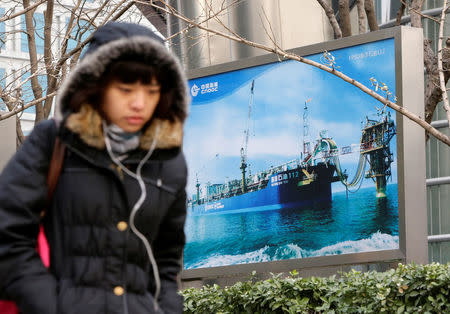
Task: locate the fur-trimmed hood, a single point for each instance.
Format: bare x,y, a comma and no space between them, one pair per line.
111,42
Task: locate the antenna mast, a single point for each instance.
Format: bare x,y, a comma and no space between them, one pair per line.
244,147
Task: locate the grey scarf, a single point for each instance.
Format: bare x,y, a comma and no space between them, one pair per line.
121,141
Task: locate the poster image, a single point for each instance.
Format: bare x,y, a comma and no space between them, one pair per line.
287,161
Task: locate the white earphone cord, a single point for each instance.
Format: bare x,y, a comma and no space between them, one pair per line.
137,206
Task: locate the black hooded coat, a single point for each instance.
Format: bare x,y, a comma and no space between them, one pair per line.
97,264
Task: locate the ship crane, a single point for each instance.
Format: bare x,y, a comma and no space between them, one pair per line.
244,147
306,139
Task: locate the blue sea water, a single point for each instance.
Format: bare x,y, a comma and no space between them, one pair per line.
360,222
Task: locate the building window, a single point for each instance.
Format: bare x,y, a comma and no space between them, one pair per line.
27,91
386,10
38,25
80,31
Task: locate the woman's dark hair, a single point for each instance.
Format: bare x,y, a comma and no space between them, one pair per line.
128,72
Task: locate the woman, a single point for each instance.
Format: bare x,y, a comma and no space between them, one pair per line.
115,223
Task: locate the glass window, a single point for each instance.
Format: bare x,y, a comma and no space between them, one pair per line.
386,10
38,23
83,29
395,6
27,92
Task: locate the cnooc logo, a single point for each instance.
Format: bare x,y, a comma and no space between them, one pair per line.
194,90
204,88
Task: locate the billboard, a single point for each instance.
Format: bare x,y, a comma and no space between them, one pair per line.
290,163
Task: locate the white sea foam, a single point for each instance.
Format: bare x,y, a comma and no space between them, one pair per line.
257,256
377,241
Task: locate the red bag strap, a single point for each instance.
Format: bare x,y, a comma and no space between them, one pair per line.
55,166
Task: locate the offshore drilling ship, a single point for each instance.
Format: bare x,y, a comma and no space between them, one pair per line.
304,182
298,183
288,185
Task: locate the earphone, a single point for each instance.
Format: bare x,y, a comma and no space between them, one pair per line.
137,206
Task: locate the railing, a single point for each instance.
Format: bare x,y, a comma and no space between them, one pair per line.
407,18
438,238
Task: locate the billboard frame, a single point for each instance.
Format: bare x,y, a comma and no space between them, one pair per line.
409,85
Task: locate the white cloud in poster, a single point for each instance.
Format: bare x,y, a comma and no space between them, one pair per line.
344,133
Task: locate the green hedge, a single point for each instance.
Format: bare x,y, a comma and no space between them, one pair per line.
407,289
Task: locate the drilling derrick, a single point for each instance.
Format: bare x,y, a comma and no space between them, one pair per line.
375,147
306,139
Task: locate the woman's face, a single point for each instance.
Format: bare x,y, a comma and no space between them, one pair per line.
130,105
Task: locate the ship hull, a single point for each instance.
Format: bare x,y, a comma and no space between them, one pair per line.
286,189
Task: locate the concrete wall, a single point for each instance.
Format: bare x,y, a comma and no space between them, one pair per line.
7,140
303,23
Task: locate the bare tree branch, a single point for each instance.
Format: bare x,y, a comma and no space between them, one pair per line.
19,132
270,35
120,13
35,86
419,12
18,109
400,13
416,15
65,57
439,56
52,67
433,93
214,16
52,83
69,28
56,69
285,55
76,51
31,7
331,18
48,57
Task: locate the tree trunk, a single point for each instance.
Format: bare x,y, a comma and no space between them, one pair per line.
48,57
35,86
400,12
433,93
416,17
371,15
344,18
20,137
361,16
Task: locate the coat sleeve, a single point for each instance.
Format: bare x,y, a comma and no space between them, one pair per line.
168,250
23,192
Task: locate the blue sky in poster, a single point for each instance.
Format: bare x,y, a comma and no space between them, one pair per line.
214,131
